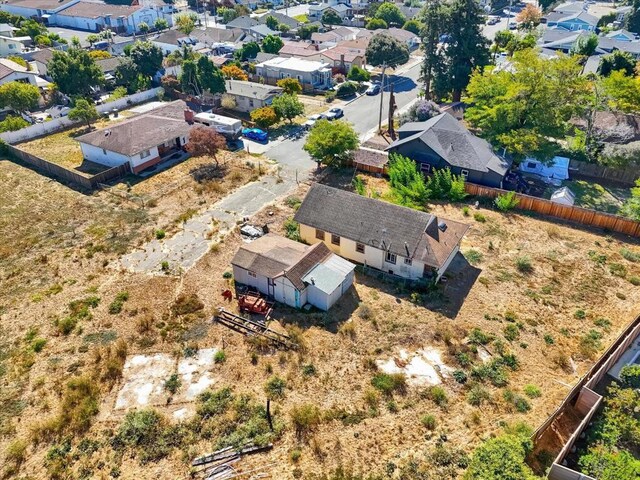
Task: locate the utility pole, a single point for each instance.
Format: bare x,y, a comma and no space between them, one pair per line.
392,109
509,16
384,67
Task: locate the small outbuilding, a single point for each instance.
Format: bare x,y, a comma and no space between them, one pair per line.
563,196
293,273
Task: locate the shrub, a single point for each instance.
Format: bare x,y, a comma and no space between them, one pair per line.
160,234
359,186
227,275
502,457
473,256
480,218
275,387
346,89
532,391
465,211
522,404
442,184
630,375
308,370
511,332
429,422
603,323
463,359
506,202
173,383
523,264
634,280
477,395
590,343
305,419
38,344
66,325
186,304
580,314
292,230
438,396
389,383
618,270
478,337
264,117
148,432
460,376
630,255
295,455
220,356
116,306
548,339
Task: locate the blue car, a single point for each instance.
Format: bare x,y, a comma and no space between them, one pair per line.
255,134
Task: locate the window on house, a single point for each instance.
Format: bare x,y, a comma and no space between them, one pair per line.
251,102
335,239
11,46
319,234
252,274
408,261
145,154
390,257
464,173
425,167
359,247
104,152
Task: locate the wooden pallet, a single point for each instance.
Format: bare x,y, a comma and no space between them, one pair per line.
249,327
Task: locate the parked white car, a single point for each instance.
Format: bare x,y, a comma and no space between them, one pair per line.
313,119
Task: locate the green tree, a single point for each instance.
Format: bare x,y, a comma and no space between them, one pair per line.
31,28
346,89
249,50
442,184
376,24
383,49
330,17
84,111
631,207
43,41
632,21
290,85
331,142
143,27
585,45
75,72
13,123
617,60
147,57
391,14
465,50
605,463
161,24
126,74
434,17
305,31
209,76
185,23
623,92
358,74
630,375
408,185
92,38
20,61
288,106
272,22
413,26
264,117
501,458
272,44
523,108
189,80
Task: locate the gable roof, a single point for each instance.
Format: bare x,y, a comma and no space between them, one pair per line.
108,65
96,10
141,132
7,67
274,256
251,89
263,30
294,64
42,56
217,35
338,53
453,143
40,4
301,49
581,17
623,33
402,34
244,21
403,231
281,17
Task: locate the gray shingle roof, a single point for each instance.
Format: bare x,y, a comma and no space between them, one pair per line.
108,64
244,21
399,230
254,90
453,143
281,17
141,132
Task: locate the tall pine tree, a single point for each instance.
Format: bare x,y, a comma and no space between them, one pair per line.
632,22
433,16
465,49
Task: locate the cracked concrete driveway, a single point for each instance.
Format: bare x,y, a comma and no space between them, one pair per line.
185,248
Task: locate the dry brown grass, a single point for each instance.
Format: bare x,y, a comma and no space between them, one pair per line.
359,427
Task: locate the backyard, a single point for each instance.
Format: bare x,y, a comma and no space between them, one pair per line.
523,312
596,196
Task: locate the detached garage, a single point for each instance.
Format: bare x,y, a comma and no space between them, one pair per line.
293,273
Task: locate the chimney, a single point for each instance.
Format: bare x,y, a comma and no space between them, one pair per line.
188,115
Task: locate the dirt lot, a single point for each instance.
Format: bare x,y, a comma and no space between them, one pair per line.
533,287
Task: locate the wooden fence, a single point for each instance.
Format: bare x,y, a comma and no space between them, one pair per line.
583,216
66,175
622,175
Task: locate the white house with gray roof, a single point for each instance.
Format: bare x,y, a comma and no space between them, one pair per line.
311,75
250,95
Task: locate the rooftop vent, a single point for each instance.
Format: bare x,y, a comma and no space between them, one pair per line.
442,226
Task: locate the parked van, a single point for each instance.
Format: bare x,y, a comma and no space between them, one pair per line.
231,128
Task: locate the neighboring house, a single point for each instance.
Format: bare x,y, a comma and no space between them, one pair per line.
397,240
573,21
40,60
331,38
10,71
302,50
311,75
410,39
563,40
142,141
622,12
342,58
572,7
219,61
250,4
214,38
40,10
443,142
293,273
622,35
251,95
7,30
261,31
292,23
244,23
108,67
316,11
211,36
12,45
263,57
95,17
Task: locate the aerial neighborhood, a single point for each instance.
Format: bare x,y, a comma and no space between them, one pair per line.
320,239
